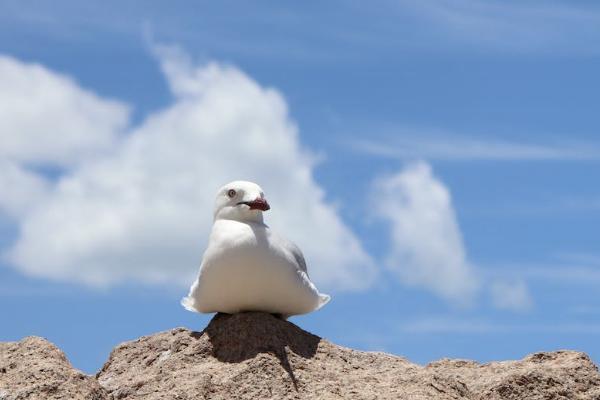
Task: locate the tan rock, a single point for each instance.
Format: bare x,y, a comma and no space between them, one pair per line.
548,375
255,356
258,356
35,369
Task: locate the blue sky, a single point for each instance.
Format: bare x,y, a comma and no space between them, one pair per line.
448,155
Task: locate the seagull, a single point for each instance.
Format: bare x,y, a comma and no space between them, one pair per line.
247,266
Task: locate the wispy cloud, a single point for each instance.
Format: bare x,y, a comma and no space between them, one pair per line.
581,203
448,325
514,25
511,295
452,147
580,257
566,273
451,25
549,206
23,290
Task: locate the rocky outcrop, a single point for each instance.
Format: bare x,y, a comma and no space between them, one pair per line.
35,369
256,356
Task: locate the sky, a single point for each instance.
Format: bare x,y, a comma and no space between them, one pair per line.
437,162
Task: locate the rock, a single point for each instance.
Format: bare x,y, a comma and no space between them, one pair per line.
547,375
258,356
255,355
35,369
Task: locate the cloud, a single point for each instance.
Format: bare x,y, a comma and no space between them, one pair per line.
580,257
511,295
564,274
21,189
427,249
450,325
46,118
437,325
514,25
452,147
141,210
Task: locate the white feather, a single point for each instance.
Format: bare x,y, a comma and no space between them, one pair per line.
247,267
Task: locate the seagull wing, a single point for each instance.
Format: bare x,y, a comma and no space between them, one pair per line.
292,249
297,253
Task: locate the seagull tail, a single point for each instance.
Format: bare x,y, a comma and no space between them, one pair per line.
323,299
188,303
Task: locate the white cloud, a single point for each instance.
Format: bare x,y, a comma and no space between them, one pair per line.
19,189
46,118
427,246
452,147
511,295
142,211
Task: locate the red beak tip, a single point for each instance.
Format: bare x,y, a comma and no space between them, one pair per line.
259,204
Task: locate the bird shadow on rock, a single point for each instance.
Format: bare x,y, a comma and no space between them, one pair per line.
239,337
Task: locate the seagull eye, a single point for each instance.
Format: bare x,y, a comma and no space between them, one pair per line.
231,193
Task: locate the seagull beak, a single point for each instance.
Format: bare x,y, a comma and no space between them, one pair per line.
258,204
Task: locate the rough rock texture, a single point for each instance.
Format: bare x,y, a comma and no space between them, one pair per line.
255,356
258,356
549,375
35,369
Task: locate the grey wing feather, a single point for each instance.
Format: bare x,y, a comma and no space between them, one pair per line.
299,257
296,252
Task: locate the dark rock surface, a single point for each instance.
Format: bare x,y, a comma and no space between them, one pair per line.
257,356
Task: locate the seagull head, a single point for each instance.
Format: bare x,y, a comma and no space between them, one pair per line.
241,201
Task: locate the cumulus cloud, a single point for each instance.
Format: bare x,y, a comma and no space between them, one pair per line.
511,295
427,249
46,118
20,189
142,209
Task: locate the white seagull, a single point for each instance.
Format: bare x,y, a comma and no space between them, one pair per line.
248,267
